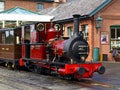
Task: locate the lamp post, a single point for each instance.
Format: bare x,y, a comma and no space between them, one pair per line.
97,50
98,23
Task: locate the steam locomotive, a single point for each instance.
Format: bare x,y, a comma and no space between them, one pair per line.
43,49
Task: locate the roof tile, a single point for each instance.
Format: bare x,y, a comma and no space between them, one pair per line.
66,10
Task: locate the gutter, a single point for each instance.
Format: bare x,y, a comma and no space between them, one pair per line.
100,7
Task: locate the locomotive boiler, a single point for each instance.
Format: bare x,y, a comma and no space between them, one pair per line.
44,50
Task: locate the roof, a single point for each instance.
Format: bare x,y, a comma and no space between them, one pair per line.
18,10
20,14
82,7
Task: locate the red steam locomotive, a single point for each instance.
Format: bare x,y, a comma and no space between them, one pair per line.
44,50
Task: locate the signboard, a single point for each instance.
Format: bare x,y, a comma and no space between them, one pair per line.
104,37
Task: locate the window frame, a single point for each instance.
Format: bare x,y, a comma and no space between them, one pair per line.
115,40
5,39
27,32
42,6
84,29
70,31
2,8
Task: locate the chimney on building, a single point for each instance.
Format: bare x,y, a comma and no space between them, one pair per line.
57,2
60,1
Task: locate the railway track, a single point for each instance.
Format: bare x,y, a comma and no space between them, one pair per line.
23,80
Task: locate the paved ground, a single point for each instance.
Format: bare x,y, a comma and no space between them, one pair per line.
21,80
111,76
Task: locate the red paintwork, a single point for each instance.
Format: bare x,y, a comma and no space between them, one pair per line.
23,51
43,34
38,52
58,47
21,62
52,34
72,69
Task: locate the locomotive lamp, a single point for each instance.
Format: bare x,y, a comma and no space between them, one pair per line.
98,22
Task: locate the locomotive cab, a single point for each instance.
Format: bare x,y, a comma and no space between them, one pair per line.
35,38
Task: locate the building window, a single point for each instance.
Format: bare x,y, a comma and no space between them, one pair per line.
40,6
115,37
85,30
1,6
69,31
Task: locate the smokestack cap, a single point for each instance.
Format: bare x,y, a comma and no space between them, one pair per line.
76,15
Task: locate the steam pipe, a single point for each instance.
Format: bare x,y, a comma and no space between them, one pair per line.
76,24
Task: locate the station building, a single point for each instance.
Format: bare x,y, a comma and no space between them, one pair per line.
99,21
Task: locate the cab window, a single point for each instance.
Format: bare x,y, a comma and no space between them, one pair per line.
3,37
11,37
27,33
7,37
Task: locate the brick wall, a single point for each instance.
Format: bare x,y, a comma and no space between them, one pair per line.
21,3
110,15
27,4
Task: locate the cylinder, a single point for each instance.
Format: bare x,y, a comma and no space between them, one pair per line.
96,54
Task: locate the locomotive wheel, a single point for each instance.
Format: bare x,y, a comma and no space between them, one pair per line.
67,77
30,68
37,69
9,66
14,67
6,65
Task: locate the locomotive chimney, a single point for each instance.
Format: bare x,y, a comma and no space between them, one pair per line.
76,24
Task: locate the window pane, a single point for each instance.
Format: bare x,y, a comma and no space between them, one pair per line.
7,37
11,37
1,6
27,33
3,38
69,31
112,33
85,30
39,6
118,33
115,37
